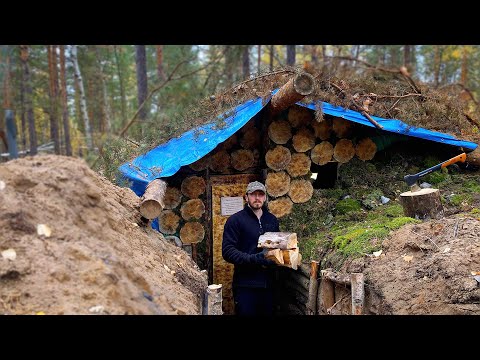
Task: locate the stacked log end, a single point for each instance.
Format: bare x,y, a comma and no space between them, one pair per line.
365,149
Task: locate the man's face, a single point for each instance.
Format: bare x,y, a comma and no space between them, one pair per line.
256,199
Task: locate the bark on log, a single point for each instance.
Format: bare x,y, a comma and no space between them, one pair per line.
327,295
278,158
280,207
313,289
213,296
153,203
330,275
242,159
193,186
277,183
322,153
422,204
192,209
280,132
300,191
299,116
293,91
192,232
365,149
278,240
172,198
299,165
343,150
303,140
275,255
358,293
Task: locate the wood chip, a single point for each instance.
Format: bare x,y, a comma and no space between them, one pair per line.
9,254
43,229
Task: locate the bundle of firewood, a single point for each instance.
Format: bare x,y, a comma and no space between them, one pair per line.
283,248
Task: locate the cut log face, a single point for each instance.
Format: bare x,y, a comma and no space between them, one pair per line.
153,203
193,186
422,204
251,139
277,159
365,149
343,151
290,258
278,240
220,161
294,90
173,197
275,255
277,183
299,165
192,209
192,233
242,159
322,153
280,207
322,130
299,116
303,140
300,191
280,132
201,164
168,222
341,127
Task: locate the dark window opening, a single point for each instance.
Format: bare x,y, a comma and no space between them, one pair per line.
326,175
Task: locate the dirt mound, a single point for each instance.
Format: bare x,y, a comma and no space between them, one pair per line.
97,259
427,268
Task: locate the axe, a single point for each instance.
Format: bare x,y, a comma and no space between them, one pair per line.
411,180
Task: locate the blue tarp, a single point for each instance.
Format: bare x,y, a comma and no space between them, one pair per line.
166,159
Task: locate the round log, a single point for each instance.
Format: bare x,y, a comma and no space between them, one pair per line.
152,201
341,127
300,191
473,157
201,164
294,90
229,143
168,222
277,183
343,150
192,233
322,153
278,158
422,204
303,140
280,207
251,139
365,149
248,126
173,197
242,159
322,130
192,209
299,165
220,161
193,186
299,116
175,240
280,132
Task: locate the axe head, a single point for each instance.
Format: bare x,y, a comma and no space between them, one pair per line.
411,181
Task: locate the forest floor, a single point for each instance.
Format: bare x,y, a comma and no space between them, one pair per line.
71,243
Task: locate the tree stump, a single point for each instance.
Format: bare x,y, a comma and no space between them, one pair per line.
422,204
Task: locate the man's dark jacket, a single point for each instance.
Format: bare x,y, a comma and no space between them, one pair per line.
239,247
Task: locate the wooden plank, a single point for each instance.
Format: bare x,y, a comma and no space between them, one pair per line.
358,293
312,289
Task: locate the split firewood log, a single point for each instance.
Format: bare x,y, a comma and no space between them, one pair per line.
192,232
173,197
242,159
278,240
365,149
275,255
192,209
280,207
299,116
168,222
251,139
322,130
341,127
299,165
193,186
201,164
280,132
220,161
278,158
277,183
153,199
300,191
343,150
291,258
303,140
322,153
229,143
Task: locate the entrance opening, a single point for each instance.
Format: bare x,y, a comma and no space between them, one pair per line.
326,175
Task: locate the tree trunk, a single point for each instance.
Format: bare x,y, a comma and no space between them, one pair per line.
293,91
152,201
160,72
422,204
259,58
28,99
63,91
246,62
437,60
142,85
22,114
464,70
272,49
52,71
407,57
11,134
291,55
83,101
122,87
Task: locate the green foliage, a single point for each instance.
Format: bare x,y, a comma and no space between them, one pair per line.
436,177
347,205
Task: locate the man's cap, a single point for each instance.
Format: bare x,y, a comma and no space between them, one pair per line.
254,186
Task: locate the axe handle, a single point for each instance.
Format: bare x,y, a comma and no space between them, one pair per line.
462,157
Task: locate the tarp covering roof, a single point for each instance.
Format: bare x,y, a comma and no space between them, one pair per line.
166,159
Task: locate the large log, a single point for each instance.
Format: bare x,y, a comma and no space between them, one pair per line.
341,127
168,222
303,140
358,293
280,132
337,278
299,116
278,240
251,139
220,161
313,289
473,157
422,204
300,191
343,151
277,183
299,165
294,90
192,209
322,153
172,198
280,207
327,295
365,149
242,159
192,232
152,201
323,130
278,158
193,186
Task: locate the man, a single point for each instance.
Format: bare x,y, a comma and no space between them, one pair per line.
253,274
